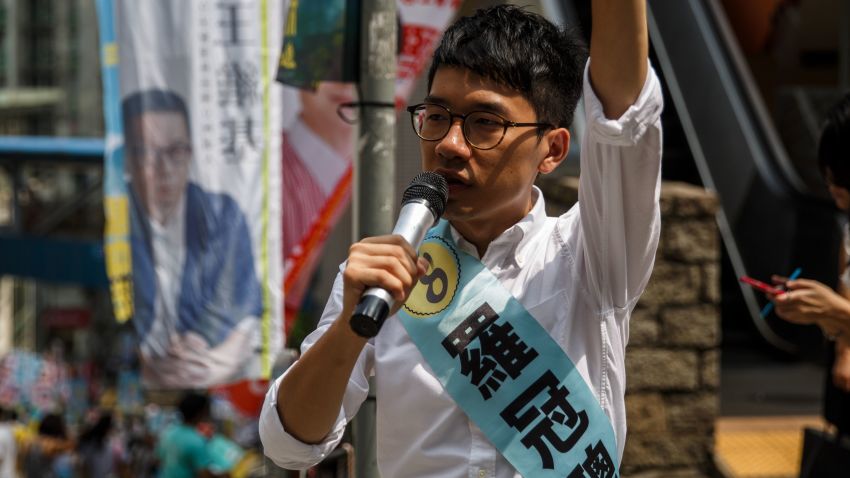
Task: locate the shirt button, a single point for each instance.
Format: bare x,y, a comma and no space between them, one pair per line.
482,473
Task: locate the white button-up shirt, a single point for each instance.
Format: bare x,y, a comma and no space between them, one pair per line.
579,275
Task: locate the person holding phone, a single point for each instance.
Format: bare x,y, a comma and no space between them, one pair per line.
808,301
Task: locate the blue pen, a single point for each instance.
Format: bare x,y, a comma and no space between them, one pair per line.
769,306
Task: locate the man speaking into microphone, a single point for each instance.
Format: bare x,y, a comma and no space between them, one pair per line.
503,353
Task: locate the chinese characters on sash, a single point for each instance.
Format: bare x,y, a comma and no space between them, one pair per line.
490,351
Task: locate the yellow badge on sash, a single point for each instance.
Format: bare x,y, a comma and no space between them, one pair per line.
436,289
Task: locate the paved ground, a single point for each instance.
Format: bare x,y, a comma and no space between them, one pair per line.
766,401
755,383
761,447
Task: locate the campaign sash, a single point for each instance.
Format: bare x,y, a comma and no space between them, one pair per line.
504,370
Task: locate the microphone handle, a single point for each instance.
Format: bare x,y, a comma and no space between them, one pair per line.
414,220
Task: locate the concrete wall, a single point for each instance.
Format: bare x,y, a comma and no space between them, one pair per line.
673,356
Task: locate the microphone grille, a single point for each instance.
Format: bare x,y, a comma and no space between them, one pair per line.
432,188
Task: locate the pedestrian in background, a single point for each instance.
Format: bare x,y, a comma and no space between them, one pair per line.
811,302
50,454
182,448
8,447
96,454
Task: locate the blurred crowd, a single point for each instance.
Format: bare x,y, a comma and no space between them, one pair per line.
167,441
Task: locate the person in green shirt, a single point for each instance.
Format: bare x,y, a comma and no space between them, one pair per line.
182,449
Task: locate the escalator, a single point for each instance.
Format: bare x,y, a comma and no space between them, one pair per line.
771,220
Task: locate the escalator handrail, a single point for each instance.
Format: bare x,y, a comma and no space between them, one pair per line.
760,135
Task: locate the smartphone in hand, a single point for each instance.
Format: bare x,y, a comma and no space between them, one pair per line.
761,286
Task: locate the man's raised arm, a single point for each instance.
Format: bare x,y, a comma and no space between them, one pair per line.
620,155
619,46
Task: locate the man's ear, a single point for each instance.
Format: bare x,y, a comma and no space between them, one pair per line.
556,144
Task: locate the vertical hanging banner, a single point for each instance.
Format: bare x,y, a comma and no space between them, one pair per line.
422,25
318,66
192,188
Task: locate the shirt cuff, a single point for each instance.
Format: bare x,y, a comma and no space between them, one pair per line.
628,129
284,449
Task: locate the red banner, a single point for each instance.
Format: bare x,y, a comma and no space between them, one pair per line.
318,147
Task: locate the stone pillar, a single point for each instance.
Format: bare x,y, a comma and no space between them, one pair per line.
673,356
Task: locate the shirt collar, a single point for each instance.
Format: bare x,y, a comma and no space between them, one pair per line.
515,238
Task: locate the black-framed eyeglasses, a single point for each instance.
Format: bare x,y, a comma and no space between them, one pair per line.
482,129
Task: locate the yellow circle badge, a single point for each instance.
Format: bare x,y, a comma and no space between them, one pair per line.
436,289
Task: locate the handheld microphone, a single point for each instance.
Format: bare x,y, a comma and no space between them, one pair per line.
422,204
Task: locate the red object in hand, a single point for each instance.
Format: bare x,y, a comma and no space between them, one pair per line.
757,284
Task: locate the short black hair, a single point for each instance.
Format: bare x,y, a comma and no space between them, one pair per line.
834,148
52,425
193,407
154,100
523,51
97,432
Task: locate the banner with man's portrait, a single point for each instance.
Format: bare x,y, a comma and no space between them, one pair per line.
193,185
318,145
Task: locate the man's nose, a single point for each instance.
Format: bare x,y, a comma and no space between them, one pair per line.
454,144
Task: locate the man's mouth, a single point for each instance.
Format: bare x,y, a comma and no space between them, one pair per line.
452,177
456,187
455,182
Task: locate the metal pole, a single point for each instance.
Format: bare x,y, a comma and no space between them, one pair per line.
374,173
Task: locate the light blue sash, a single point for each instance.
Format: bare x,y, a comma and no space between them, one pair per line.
504,370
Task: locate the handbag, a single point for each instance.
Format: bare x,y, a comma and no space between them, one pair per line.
825,455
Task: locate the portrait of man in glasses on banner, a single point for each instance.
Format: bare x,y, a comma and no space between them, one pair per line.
317,153
197,298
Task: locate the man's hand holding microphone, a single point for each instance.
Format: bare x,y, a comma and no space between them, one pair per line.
378,277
